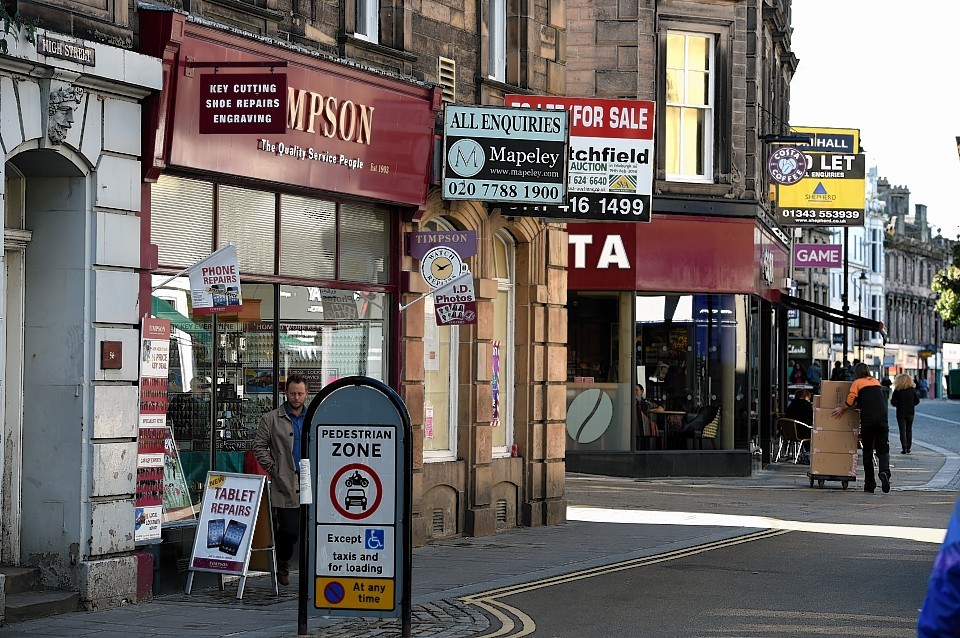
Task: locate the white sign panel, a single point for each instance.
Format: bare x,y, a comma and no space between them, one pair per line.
355,550
215,283
357,480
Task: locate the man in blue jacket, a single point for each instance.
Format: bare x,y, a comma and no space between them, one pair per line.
940,614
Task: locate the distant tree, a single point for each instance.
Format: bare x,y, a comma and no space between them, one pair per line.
946,283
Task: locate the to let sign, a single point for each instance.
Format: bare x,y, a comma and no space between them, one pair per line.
243,103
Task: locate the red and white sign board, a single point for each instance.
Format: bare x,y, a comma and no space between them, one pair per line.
215,283
610,168
231,503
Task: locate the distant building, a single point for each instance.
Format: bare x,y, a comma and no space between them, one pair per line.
913,254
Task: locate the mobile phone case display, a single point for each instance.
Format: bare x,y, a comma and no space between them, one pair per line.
245,387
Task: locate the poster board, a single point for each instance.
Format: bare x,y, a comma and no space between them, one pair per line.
153,368
228,517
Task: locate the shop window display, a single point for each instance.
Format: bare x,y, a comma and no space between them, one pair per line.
323,334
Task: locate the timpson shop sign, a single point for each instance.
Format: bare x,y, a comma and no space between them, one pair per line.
318,125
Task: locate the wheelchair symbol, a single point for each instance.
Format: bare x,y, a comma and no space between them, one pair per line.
374,539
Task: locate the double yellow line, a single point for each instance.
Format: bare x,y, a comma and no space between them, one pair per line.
514,623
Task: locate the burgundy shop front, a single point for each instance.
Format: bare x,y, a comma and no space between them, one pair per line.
682,307
314,208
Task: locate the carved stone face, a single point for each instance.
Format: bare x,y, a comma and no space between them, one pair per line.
60,121
60,110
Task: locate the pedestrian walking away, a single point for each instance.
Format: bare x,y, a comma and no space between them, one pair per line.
277,448
815,376
839,373
866,394
905,398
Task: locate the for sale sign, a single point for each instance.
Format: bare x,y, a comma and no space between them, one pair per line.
610,161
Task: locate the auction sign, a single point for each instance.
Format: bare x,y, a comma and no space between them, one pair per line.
152,429
507,155
237,103
610,161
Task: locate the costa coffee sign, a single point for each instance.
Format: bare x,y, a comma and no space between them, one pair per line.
339,129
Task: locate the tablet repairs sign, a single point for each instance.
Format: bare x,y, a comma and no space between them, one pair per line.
497,154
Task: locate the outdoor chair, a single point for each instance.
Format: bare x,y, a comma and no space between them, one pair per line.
793,435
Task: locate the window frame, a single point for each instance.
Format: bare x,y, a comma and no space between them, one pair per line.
453,381
718,161
506,382
367,20
497,40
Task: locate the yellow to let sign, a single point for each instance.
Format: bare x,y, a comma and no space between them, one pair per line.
823,193
355,593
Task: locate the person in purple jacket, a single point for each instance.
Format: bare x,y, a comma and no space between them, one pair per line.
940,614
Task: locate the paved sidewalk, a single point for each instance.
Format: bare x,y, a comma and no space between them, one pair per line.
446,571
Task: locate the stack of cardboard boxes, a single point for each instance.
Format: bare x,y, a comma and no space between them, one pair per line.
834,441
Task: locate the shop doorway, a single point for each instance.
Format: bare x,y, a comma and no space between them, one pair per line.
15,240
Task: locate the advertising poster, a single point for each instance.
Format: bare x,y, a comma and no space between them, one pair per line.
152,428
176,494
215,283
495,419
228,516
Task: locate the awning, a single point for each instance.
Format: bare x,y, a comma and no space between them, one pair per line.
833,315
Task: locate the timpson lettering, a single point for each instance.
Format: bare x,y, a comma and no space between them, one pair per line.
328,115
441,238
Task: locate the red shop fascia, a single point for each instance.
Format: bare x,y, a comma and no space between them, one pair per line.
372,136
677,253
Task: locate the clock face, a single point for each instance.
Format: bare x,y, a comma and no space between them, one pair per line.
440,265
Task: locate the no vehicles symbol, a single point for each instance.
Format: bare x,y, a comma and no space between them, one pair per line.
356,491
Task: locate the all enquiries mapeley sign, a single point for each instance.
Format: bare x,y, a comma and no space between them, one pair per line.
505,154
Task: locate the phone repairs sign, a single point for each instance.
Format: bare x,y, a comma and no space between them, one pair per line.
498,154
227,520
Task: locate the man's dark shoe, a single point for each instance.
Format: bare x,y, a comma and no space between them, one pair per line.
885,481
283,577
869,490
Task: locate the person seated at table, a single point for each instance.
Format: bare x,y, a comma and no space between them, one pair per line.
643,404
801,408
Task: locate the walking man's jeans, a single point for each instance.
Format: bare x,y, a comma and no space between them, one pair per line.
874,437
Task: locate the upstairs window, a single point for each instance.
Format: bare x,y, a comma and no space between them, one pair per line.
497,30
690,98
368,20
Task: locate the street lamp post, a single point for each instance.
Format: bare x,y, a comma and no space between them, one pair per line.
863,281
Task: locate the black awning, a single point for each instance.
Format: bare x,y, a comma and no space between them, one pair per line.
833,315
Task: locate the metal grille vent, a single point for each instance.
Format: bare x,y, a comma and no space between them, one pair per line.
447,79
437,522
501,512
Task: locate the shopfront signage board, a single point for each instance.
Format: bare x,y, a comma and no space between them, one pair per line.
152,429
228,517
818,256
347,130
504,155
610,164
55,48
359,546
243,103
462,241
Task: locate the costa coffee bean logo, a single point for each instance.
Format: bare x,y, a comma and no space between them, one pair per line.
787,165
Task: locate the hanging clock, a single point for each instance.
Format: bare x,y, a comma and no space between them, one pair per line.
440,265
